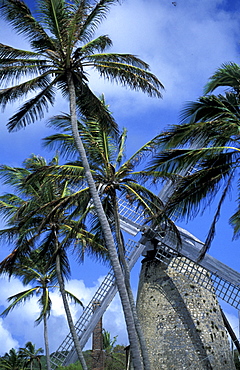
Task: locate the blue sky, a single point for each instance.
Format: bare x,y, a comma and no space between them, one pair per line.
184,45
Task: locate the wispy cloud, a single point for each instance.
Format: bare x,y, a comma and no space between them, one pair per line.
183,45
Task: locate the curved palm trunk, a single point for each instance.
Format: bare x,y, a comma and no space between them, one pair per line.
68,312
141,338
135,352
45,329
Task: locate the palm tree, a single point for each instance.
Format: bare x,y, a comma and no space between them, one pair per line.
112,356
212,123
63,51
41,214
36,271
12,361
114,178
31,354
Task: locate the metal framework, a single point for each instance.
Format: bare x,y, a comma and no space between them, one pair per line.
227,290
65,353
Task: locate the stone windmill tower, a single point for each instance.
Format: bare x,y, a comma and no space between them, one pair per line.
180,314
177,301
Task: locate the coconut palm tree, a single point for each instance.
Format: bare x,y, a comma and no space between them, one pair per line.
12,361
43,215
114,178
60,36
211,167
36,271
31,354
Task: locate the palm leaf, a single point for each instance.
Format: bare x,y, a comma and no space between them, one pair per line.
20,18
17,299
227,76
132,77
33,109
74,298
92,19
97,45
211,232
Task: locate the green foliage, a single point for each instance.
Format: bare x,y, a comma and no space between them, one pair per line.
116,360
31,355
24,358
202,153
236,360
76,366
114,175
60,35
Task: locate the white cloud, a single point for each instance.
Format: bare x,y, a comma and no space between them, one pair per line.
7,341
182,44
19,327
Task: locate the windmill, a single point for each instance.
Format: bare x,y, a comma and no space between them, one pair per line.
210,273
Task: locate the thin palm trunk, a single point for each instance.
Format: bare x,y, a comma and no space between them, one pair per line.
135,352
46,342
68,313
141,338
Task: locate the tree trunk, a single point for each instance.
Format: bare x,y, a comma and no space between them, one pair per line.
45,328
138,327
68,312
136,357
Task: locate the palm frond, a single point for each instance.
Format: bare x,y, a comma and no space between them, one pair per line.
21,19
201,186
45,303
18,299
91,107
117,60
94,18
225,76
235,218
55,18
121,146
73,298
212,229
33,109
14,93
9,53
127,75
97,45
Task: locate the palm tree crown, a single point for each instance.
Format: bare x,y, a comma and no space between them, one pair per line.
202,153
31,354
61,42
114,176
45,214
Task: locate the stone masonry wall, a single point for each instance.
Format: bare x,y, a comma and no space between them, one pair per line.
181,321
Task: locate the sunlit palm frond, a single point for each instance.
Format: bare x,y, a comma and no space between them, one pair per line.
74,299
127,75
226,76
46,304
18,299
99,44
